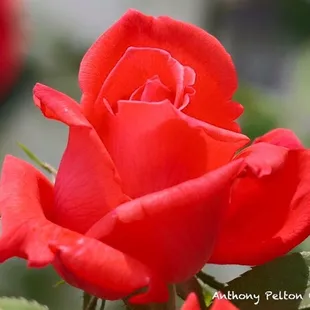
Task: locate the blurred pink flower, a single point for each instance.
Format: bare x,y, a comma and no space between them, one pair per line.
12,43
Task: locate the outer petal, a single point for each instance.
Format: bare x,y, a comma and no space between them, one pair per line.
281,137
171,231
104,271
155,146
87,184
25,195
269,212
191,46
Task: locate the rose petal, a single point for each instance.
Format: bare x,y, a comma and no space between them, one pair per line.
135,67
223,304
155,146
267,157
87,184
103,271
138,65
25,195
263,158
179,223
216,79
269,206
191,303
281,137
152,91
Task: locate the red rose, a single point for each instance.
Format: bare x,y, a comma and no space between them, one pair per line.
145,181
11,43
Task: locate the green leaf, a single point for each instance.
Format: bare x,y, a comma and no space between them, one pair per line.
207,296
283,284
12,303
47,167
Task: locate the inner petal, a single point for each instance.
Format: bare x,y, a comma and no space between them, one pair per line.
139,65
155,146
153,91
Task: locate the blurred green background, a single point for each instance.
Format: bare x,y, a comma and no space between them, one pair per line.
268,40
